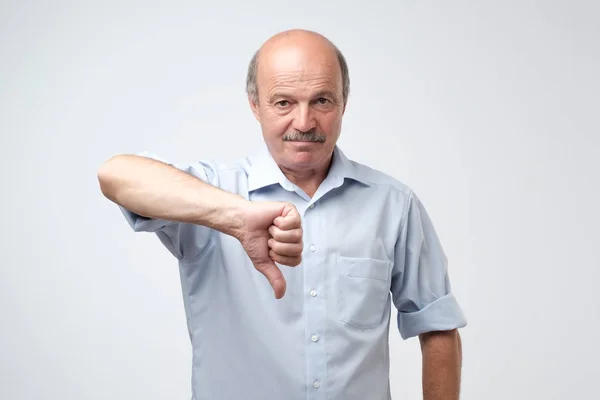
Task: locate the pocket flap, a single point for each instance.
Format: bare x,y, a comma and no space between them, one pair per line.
365,267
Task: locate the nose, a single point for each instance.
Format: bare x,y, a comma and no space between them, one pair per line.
304,119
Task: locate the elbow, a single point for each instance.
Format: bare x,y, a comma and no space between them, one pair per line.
107,176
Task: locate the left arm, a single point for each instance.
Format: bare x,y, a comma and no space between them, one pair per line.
442,363
426,305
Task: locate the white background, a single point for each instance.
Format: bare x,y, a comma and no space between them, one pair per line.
488,109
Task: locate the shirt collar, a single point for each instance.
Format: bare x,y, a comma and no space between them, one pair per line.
264,171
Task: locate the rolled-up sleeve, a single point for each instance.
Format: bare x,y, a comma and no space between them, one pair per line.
182,240
420,283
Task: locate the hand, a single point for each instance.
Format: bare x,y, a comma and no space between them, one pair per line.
272,232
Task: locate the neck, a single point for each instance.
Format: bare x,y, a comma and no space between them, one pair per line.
310,179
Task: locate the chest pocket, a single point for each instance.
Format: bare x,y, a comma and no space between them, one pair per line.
364,285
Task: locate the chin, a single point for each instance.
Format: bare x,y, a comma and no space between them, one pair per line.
305,153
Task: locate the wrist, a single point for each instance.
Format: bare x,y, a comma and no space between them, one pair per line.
227,214
235,215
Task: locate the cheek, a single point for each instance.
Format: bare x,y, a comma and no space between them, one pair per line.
275,125
331,123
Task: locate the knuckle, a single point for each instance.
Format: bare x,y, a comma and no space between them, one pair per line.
261,268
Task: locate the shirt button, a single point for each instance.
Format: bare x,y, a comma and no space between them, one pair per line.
312,206
313,248
316,384
314,338
313,293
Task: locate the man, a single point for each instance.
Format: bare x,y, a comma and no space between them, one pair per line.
291,259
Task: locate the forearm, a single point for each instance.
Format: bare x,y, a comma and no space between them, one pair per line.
154,189
442,363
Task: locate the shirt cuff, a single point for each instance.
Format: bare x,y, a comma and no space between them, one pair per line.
443,314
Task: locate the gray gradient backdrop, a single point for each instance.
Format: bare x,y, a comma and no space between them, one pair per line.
488,109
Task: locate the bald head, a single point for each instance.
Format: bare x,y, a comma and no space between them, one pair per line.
287,48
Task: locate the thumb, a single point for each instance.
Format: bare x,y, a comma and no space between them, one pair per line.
274,276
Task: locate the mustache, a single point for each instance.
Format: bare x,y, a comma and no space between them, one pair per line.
309,136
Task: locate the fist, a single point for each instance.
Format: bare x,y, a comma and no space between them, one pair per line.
272,232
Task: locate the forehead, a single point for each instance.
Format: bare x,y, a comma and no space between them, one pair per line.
299,67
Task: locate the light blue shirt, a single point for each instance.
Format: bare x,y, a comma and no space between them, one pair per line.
368,244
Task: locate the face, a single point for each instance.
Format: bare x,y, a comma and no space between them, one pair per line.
300,104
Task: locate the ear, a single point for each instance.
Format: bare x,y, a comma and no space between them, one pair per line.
254,107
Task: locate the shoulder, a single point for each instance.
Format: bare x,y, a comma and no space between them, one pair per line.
226,174
380,180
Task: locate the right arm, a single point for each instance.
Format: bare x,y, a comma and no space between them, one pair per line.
269,231
153,189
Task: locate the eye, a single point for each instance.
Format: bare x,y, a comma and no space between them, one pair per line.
322,100
282,103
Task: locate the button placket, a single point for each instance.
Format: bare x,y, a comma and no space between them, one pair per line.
315,312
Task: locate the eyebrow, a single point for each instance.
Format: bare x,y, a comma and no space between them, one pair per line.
326,93
321,93
278,94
